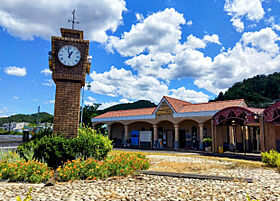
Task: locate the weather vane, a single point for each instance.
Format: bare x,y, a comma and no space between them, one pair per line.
73,19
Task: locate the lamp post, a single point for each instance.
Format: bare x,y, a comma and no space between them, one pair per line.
88,88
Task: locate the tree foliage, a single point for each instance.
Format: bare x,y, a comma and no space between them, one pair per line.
31,118
259,91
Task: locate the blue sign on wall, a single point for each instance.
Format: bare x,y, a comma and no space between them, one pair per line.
135,138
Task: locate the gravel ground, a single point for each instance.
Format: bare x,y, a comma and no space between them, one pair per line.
143,187
266,186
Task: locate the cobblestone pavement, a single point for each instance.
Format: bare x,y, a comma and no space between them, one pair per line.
144,187
266,185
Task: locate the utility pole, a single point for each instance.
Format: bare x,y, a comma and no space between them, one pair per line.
37,122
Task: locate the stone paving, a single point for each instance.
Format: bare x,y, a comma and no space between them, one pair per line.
266,186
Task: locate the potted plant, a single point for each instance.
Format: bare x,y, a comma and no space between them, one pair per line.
207,143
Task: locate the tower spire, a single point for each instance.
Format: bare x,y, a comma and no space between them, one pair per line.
73,19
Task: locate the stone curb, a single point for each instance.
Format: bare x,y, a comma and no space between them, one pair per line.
196,176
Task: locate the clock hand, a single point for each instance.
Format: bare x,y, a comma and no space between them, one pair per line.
70,54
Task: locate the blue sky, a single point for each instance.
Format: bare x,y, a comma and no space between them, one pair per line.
187,49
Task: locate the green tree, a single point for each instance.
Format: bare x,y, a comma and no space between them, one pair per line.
89,112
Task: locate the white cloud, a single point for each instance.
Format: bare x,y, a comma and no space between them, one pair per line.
16,71
121,82
189,95
189,23
48,83
92,99
95,17
109,104
16,97
159,31
35,99
264,40
52,101
212,39
194,42
46,71
106,105
237,9
256,53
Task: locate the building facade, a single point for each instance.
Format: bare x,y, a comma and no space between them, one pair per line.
177,124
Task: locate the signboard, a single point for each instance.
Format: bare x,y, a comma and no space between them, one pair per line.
164,109
145,136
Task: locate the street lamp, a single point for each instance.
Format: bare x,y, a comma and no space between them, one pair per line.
88,88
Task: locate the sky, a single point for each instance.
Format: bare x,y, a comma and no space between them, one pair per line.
142,50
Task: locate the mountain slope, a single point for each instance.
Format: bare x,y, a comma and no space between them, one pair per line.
259,91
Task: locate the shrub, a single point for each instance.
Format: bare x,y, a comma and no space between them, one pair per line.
271,158
16,169
90,144
56,150
117,165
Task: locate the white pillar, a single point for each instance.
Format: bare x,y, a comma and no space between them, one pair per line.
155,135
212,135
231,138
201,136
125,135
176,141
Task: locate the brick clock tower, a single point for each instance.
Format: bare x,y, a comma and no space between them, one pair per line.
69,63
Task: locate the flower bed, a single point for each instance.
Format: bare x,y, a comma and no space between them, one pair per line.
122,164
14,168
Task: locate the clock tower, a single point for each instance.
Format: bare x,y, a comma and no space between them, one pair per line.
69,63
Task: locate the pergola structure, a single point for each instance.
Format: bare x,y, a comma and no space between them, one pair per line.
238,129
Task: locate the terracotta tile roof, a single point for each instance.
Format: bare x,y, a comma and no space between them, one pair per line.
255,110
179,106
176,103
211,106
124,113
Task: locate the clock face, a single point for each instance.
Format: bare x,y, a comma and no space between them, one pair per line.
69,55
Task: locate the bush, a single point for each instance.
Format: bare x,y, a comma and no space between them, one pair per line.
56,150
89,144
16,169
271,158
117,165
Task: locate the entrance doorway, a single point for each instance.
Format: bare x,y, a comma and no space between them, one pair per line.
182,138
170,139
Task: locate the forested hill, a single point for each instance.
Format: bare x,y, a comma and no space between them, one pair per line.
127,106
259,91
31,118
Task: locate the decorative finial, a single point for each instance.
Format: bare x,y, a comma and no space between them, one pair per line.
73,19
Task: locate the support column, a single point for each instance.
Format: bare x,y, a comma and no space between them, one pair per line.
109,131
155,143
125,135
251,134
201,136
212,135
231,138
258,139
246,133
262,138
176,141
